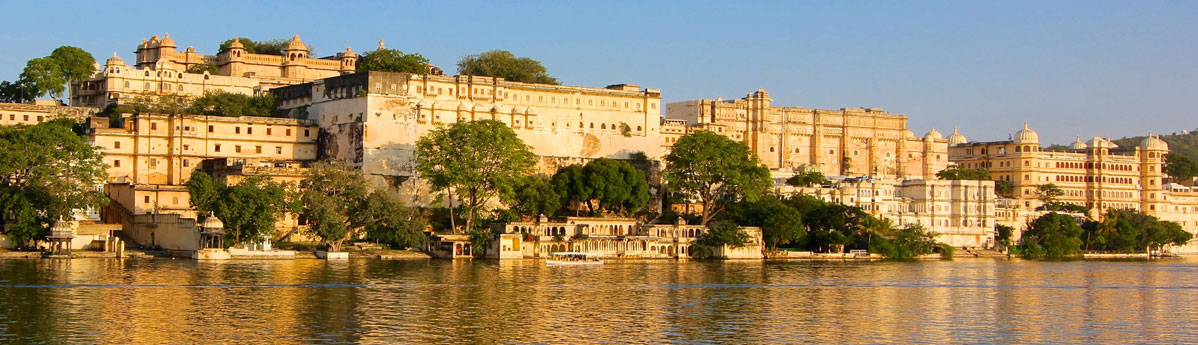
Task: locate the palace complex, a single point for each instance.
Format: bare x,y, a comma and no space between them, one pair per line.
1096,174
373,120
845,142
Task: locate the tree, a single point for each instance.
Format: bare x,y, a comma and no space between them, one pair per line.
233,104
716,171
504,64
16,92
1052,235
268,47
388,220
957,172
42,75
780,224
807,179
531,196
249,209
473,159
617,186
392,60
331,192
200,68
905,243
1180,167
1003,187
1127,230
571,184
74,64
1003,234
718,234
47,171
1048,193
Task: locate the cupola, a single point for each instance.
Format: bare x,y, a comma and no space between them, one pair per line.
1026,136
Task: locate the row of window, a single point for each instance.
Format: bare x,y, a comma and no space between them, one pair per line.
540,98
13,117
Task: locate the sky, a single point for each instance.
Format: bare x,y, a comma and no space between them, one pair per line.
1088,68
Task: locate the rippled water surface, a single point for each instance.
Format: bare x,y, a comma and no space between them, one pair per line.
377,301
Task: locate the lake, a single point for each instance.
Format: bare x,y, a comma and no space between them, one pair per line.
154,301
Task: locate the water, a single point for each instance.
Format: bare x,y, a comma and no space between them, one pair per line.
377,301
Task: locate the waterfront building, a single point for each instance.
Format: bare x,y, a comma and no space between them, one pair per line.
613,238
161,69
373,119
1096,174
845,142
960,213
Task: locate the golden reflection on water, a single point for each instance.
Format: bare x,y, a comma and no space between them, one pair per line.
376,301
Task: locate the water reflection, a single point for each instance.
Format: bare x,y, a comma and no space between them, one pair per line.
378,301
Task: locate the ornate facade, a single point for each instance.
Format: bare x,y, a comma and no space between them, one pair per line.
160,69
845,142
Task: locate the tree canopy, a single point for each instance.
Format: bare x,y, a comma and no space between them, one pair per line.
1126,230
49,75
1048,193
718,234
223,103
716,171
392,60
1052,235
17,92
1180,167
332,196
47,171
604,185
473,160
504,64
388,220
807,179
249,209
268,47
957,172
780,224
532,196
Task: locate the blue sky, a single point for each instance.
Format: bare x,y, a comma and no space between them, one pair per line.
1069,67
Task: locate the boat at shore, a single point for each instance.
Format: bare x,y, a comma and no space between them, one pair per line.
573,258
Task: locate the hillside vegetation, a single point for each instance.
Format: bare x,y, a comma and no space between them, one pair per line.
1180,144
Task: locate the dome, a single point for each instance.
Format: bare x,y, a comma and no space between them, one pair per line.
1078,144
212,223
933,135
114,60
1154,143
62,229
956,138
153,41
1026,136
349,52
295,44
236,43
907,133
167,41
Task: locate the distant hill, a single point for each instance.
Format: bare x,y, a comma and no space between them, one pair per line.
1181,144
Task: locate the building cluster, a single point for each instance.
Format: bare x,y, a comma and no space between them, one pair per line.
373,120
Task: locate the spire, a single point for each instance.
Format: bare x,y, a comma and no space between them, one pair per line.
380,44
1025,125
955,130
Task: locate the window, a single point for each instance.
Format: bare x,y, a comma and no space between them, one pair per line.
217,148
152,163
186,163
186,147
210,129
41,118
268,131
237,148
288,132
249,130
175,200
146,199
116,163
237,130
279,150
153,126
305,132
258,149
116,145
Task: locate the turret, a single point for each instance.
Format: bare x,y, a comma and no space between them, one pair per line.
349,61
293,57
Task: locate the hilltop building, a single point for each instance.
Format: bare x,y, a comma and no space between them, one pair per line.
845,142
373,119
160,69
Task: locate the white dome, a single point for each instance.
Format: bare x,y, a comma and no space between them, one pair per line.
1026,136
956,138
1154,143
114,60
907,133
296,44
1078,144
212,223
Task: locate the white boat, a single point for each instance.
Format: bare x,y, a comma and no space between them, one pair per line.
572,258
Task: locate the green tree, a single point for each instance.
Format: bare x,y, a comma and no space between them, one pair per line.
1052,235
74,64
717,235
1048,193
957,172
47,171
474,160
1127,230
16,92
268,47
1003,187
1003,234
531,196
572,185
807,179
905,243
248,209
780,224
200,68
332,199
1180,167
392,60
504,64
617,186
388,220
233,104
715,170
42,75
